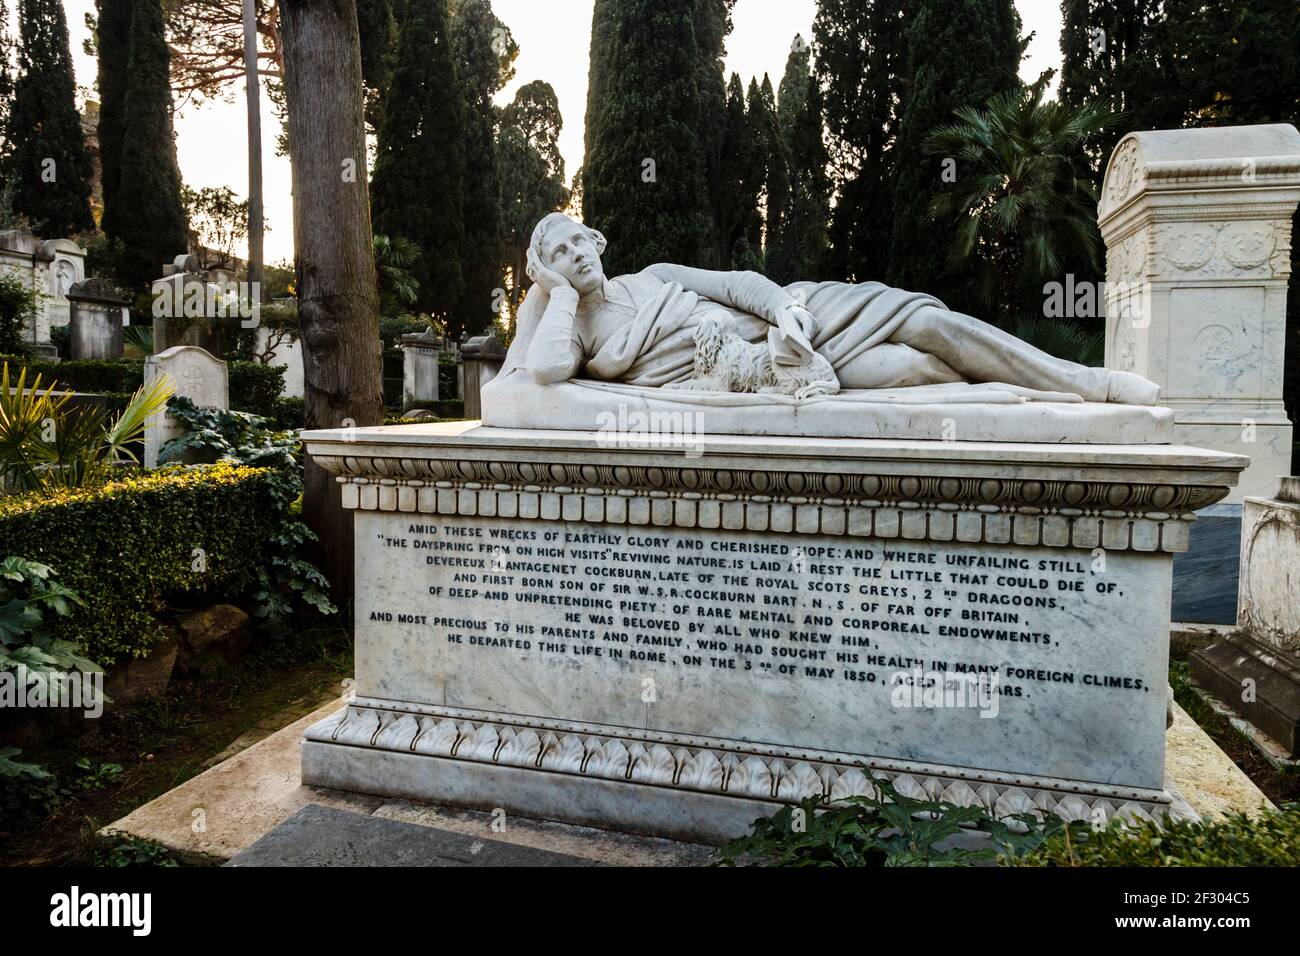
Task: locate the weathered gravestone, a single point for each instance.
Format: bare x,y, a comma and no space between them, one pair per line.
671,607
1256,668
67,268
196,375
99,313
420,369
481,357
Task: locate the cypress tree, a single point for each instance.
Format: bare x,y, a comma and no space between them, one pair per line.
756,112
416,191
113,46
958,54
50,167
145,210
378,28
799,250
776,182
531,169
712,24
792,94
1120,52
654,87
6,89
742,180
859,51
484,57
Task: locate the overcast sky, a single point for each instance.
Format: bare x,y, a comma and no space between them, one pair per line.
212,145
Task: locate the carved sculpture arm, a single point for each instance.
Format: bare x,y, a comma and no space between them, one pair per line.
556,354
748,291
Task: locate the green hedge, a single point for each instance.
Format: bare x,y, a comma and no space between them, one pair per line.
83,375
129,548
1270,839
288,413
254,387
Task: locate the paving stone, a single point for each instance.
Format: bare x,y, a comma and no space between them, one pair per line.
323,836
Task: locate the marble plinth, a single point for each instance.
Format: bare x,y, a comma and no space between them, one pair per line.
678,640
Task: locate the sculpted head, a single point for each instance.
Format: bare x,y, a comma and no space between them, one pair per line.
571,249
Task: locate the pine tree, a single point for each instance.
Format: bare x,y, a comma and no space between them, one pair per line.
799,250
654,87
958,54
144,210
416,192
484,53
50,167
859,52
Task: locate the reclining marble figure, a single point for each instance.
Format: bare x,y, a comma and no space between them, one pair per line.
707,332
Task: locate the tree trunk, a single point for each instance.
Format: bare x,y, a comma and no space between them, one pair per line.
253,96
338,303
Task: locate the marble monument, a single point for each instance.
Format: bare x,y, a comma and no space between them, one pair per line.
1255,669
1197,225
625,604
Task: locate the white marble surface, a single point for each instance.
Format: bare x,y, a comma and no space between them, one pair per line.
1268,602
515,401
796,648
197,375
1197,225
1072,461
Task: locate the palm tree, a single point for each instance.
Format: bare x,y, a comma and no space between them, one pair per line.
1023,200
398,288
48,444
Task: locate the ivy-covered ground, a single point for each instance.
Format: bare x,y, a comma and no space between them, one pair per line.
136,753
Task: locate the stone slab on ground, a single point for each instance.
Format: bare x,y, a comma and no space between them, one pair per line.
1207,778
323,836
241,799
250,794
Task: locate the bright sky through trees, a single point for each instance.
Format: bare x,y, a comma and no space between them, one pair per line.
554,36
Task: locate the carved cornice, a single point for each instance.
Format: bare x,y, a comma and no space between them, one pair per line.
1049,513
723,768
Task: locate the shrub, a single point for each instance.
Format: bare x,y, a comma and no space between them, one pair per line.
18,305
85,375
254,387
883,828
1270,839
132,545
27,591
27,790
47,442
289,412
286,578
